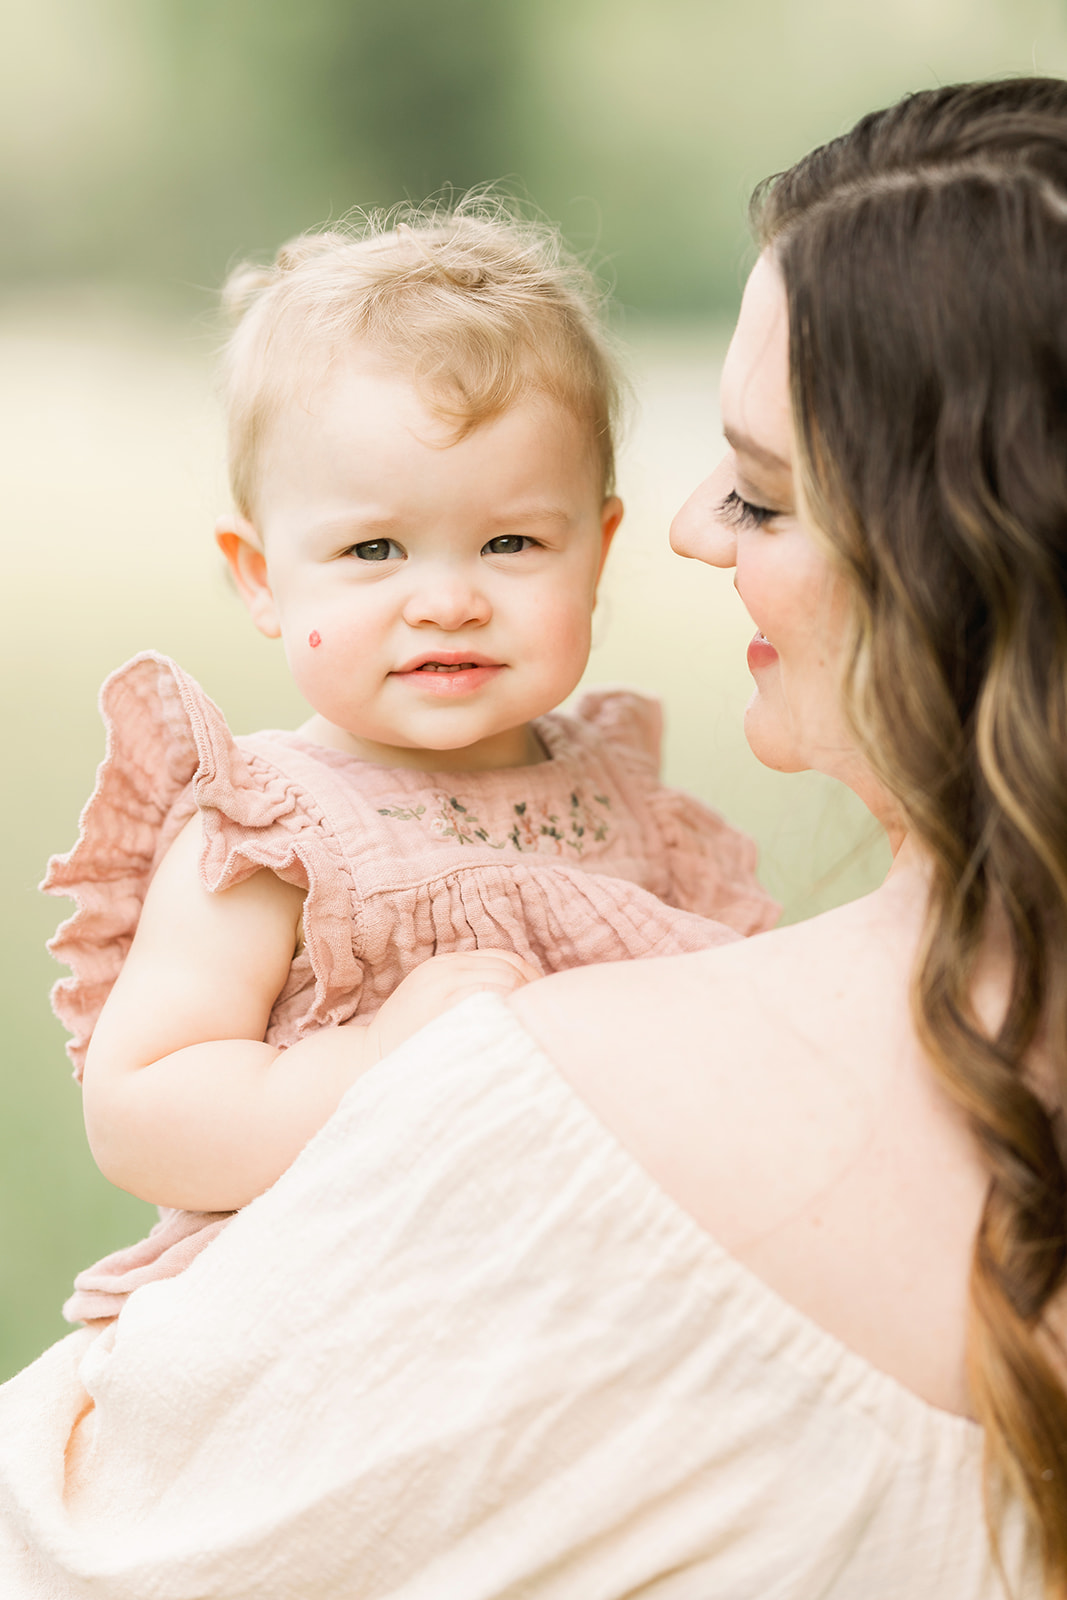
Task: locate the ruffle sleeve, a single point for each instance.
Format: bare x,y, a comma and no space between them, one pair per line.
709,865
169,753
712,866
627,722
101,1291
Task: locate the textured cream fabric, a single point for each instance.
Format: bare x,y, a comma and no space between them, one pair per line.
508,1367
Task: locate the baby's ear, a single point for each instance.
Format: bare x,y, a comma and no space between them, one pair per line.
243,549
610,517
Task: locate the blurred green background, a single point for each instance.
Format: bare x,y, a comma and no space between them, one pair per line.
147,144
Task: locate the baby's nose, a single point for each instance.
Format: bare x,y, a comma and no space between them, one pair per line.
449,599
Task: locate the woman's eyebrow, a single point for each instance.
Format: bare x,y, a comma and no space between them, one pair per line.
748,447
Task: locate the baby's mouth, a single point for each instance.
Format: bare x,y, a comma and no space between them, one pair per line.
470,671
450,680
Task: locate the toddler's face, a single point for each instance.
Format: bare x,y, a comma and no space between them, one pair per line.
433,596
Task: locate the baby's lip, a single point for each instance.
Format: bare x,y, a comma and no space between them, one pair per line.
448,658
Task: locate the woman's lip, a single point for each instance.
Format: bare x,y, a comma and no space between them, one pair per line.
761,653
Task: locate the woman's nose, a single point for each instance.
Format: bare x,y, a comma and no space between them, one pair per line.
699,529
447,598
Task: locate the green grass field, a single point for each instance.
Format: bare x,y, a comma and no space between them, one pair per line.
110,483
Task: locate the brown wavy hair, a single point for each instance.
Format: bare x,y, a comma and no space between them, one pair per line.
925,261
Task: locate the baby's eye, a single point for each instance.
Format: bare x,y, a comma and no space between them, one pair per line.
507,544
376,550
742,513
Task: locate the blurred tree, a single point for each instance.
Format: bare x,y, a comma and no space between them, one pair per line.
158,139
280,115
429,91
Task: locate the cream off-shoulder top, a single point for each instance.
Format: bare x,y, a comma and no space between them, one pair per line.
466,1349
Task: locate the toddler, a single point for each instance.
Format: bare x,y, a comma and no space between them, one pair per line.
421,447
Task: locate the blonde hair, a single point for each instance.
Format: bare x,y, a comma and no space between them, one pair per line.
479,304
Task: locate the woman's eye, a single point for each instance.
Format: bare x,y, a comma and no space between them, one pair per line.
507,544
376,550
742,513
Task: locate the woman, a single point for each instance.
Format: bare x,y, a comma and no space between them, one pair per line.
693,1278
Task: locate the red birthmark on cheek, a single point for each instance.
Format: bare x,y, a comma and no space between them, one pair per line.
314,638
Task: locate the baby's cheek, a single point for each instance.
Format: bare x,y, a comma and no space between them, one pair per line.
330,663
565,638
308,652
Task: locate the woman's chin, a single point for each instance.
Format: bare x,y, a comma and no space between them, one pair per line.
772,744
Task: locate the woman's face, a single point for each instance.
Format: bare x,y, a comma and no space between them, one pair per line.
745,516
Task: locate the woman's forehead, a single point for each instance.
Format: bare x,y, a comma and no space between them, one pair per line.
756,412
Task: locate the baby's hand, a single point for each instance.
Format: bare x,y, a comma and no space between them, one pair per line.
440,983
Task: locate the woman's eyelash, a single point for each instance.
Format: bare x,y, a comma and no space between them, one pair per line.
742,513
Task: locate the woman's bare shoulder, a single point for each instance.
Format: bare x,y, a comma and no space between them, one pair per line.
702,1064
744,1076
599,1006
775,1090
817,974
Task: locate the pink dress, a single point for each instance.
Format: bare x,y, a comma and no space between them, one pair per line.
585,857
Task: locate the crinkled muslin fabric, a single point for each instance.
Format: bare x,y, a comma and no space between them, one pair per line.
506,1367
584,857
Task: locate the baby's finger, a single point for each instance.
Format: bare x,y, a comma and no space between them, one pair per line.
506,984
526,970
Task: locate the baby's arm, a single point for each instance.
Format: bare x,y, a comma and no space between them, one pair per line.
185,1105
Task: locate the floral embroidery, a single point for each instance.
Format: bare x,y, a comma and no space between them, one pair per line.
572,827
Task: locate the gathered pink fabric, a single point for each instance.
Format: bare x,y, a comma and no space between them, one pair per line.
584,857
